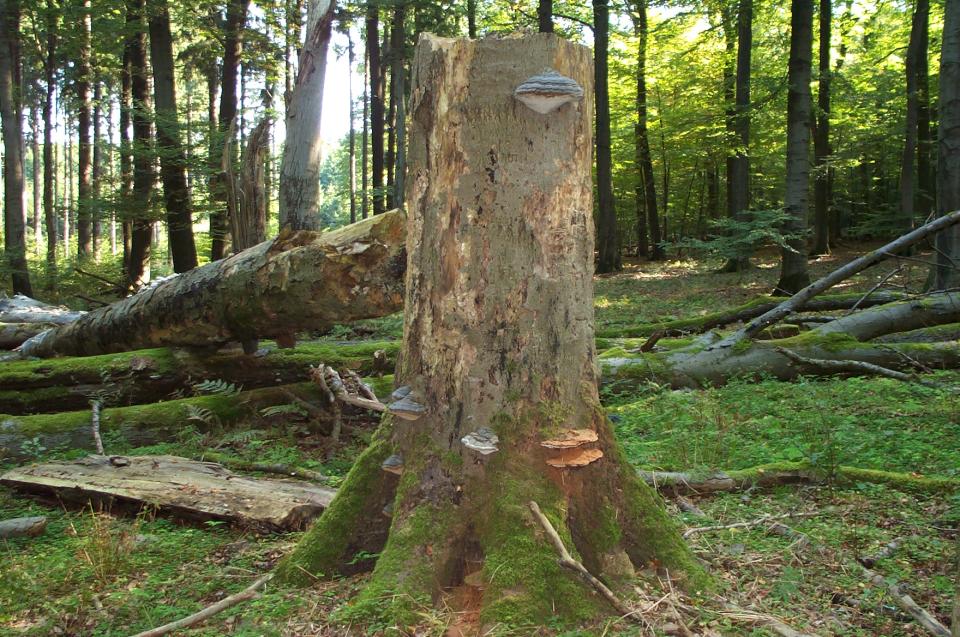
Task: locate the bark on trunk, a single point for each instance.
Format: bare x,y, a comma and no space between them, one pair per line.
376,108
398,36
126,150
821,140
96,174
49,166
249,225
82,84
14,237
138,264
500,251
352,135
608,237
926,189
544,16
646,190
793,256
300,167
173,163
344,275
948,147
908,159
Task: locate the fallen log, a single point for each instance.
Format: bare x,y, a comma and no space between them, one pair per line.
22,437
143,376
298,280
22,527
23,309
12,335
186,489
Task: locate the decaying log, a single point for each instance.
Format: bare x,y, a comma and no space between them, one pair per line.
853,367
23,309
176,486
298,280
22,527
143,376
12,335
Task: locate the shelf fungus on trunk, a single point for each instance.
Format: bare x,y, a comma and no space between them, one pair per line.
498,352
548,91
393,464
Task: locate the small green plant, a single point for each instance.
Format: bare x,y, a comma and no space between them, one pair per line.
203,415
740,238
288,409
32,447
107,545
217,387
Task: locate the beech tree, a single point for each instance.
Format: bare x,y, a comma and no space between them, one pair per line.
948,147
608,237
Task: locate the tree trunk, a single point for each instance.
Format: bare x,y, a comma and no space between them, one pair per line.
738,166
126,149
339,276
544,16
908,158
821,139
376,107
364,136
926,189
500,250
646,189
14,236
398,37
793,257
249,226
173,163
948,148
608,238
300,167
96,176
472,18
37,188
82,84
138,265
232,45
49,164
352,159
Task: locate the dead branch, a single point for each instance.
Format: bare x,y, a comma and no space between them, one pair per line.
249,592
768,621
876,287
567,561
743,525
330,381
904,601
885,551
95,425
823,284
855,367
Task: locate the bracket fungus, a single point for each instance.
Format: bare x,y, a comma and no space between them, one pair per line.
569,438
548,91
575,458
404,406
483,441
393,464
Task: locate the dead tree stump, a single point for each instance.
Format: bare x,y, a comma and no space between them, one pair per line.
498,402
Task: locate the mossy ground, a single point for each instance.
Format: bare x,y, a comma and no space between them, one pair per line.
81,578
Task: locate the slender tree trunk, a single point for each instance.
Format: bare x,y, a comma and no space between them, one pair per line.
364,148
646,189
948,147
512,285
110,178
353,132
37,188
82,84
544,16
49,163
926,188
376,107
69,199
173,163
472,18
141,225
389,156
126,148
397,96
300,167
250,223
793,257
14,237
908,159
96,211
608,239
232,46
821,139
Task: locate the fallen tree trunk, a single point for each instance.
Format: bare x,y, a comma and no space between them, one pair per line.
22,527
275,289
12,335
143,376
186,489
23,309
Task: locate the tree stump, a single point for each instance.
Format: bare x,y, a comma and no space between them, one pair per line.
498,403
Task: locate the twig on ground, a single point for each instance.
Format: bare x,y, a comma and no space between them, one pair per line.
742,525
904,601
735,612
856,367
885,551
567,561
95,424
876,287
689,507
249,592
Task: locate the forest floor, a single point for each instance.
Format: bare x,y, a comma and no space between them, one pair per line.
95,574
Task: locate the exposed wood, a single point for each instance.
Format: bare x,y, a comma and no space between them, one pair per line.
250,592
248,226
907,603
12,335
176,486
270,290
22,527
23,309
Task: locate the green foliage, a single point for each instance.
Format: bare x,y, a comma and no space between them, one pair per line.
731,238
217,387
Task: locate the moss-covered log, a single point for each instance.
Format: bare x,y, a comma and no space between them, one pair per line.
21,437
274,289
498,374
143,376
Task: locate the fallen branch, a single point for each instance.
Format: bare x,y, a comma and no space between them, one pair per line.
332,383
767,621
249,592
567,561
904,601
885,551
743,525
855,367
95,425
